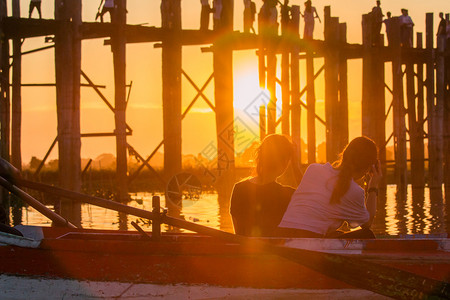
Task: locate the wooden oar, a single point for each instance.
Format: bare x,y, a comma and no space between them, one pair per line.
367,275
59,221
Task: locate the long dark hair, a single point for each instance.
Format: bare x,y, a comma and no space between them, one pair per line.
358,156
274,149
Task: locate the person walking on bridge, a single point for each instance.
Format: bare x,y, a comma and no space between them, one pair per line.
377,21
108,6
204,15
309,15
35,4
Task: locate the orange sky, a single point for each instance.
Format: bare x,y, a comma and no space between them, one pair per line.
144,68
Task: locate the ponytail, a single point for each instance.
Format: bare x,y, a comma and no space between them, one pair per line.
343,182
358,156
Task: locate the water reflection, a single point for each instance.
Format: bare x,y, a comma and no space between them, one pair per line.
421,211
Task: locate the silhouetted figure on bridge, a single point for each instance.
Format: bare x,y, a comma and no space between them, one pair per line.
204,16
217,14
442,28
249,15
108,6
388,24
267,17
377,21
406,29
35,4
285,13
309,15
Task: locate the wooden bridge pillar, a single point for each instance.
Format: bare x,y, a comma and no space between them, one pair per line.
311,106
373,100
16,103
67,71
398,112
435,155
415,121
4,103
295,82
223,93
171,79
271,86
332,85
447,129
118,46
343,92
285,76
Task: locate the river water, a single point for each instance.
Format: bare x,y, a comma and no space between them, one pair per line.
421,212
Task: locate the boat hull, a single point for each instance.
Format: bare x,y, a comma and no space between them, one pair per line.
193,259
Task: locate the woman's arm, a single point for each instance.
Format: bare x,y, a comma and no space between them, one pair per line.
371,199
317,15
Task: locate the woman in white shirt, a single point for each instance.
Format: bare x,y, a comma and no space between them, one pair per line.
328,195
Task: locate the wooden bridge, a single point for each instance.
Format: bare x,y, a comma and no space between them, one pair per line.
422,114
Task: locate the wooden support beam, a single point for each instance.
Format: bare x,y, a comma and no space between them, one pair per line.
262,122
447,131
416,145
5,105
373,100
67,70
34,50
331,85
435,172
311,107
285,81
41,165
223,93
118,46
171,76
343,92
16,107
398,112
295,86
438,112
271,87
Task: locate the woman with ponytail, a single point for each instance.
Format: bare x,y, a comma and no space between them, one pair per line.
259,202
328,195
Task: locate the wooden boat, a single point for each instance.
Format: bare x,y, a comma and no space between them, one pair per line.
128,256
399,268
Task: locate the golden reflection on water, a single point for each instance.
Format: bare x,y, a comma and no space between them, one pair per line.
422,212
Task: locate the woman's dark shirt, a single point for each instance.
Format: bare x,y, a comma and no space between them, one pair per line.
258,209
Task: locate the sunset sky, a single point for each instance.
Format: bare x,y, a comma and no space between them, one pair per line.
144,112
